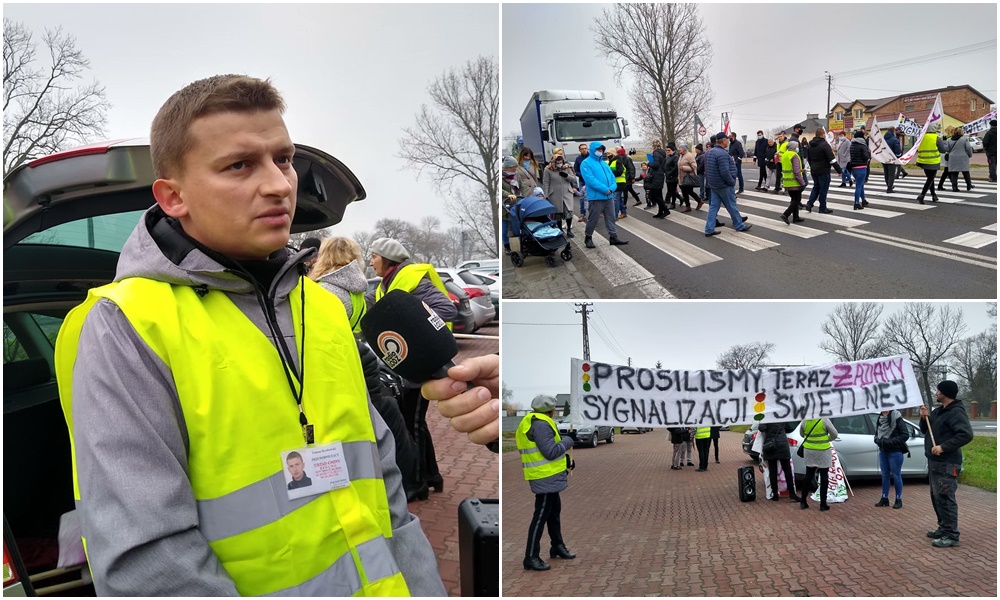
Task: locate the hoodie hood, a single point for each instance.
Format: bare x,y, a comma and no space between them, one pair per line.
593,148
159,249
859,141
349,277
816,142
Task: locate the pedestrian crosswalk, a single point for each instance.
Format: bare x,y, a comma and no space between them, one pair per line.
670,237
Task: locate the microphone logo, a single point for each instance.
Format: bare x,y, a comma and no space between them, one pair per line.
393,348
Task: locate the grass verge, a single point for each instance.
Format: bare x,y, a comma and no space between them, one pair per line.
507,441
739,428
980,464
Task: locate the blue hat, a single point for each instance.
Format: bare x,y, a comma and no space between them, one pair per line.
721,136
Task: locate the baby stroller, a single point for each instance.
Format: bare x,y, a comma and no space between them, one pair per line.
536,232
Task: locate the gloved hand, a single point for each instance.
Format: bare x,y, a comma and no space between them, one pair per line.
570,463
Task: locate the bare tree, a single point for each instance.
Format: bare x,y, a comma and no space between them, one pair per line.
456,139
975,361
853,331
745,356
45,107
926,332
666,48
509,406
296,239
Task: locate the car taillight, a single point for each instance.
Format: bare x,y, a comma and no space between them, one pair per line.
793,442
474,292
9,572
453,298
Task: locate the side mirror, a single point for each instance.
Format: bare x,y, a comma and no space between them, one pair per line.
624,121
545,136
626,130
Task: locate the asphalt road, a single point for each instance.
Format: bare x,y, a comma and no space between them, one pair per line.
895,248
980,427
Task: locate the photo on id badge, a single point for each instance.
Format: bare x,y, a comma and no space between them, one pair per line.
312,471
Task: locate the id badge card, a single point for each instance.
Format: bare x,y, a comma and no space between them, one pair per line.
315,470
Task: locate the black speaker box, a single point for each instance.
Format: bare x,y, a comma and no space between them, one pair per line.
479,547
748,484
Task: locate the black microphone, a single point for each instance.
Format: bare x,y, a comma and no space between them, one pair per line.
409,337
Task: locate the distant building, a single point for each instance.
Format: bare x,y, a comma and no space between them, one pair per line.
961,105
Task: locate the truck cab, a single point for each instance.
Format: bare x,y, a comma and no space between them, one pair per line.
567,118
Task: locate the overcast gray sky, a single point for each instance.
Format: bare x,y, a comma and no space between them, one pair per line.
683,335
760,48
352,75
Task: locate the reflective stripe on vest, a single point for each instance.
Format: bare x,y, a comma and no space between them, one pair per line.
408,277
818,439
702,433
787,174
358,309
331,543
614,165
928,153
533,462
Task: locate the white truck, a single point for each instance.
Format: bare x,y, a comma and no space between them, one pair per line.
567,118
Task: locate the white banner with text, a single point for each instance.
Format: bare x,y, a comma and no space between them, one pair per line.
606,394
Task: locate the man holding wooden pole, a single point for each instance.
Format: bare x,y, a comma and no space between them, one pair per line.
946,430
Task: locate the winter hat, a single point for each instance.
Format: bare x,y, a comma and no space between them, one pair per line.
685,146
799,127
621,152
310,243
792,145
543,403
859,134
509,162
948,388
993,122
390,249
721,136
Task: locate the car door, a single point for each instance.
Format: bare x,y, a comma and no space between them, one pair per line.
855,444
915,464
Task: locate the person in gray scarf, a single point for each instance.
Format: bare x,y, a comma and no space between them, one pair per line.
890,437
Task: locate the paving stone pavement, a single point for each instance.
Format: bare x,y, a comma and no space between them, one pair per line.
468,470
640,529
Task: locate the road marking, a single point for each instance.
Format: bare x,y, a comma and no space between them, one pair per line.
992,227
956,255
794,229
737,238
973,239
620,269
835,220
687,253
918,187
880,201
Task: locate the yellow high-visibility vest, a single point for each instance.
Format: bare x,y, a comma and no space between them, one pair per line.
533,462
787,174
927,152
702,433
818,439
358,309
240,415
408,277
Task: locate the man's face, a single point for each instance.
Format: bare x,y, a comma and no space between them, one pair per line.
781,137
669,151
770,142
940,397
378,265
296,468
584,150
723,143
236,193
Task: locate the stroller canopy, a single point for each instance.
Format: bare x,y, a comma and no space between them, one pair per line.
529,208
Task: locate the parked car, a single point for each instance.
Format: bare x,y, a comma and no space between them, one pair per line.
465,322
587,435
66,218
493,283
490,266
636,429
856,448
977,143
478,292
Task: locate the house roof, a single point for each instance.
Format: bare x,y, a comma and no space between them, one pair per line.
948,88
875,102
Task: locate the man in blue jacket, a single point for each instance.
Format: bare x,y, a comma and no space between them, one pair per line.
601,186
720,170
889,170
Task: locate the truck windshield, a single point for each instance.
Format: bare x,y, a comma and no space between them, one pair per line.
587,128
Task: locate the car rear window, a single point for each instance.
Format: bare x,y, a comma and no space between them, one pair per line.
471,278
106,232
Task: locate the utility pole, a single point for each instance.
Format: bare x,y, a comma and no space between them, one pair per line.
585,310
829,84
630,361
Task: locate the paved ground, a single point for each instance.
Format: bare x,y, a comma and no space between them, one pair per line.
892,249
641,529
468,470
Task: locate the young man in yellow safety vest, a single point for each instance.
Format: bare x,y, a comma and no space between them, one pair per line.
188,382
543,458
703,442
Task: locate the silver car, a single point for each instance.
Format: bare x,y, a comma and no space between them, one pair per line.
479,293
856,448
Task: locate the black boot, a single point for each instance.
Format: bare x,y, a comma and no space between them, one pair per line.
883,502
589,242
535,564
617,242
561,551
506,249
898,504
794,498
920,198
824,506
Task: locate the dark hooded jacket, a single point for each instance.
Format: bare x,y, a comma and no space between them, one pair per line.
776,440
952,430
760,151
670,167
896,441
657,170
820,156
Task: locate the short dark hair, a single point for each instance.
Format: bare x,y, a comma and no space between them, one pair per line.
293,454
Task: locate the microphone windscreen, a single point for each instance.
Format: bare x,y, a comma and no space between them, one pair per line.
409,337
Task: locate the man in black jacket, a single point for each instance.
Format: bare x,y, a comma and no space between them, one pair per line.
990,147
760,158
629,178
949,431
821,158
736,151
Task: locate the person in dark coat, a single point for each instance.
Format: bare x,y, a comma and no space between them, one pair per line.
890,437
657,176
678,437
860,155
760,159
714,436
670,171
736,151
630,176
775,450
821,159
990,148
699,158
889,170
949,430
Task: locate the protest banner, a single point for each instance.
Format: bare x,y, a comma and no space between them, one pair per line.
909,126
936,116
980,124
617,395
836,488
879,149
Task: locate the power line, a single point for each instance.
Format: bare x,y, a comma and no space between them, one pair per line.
852,87
601,334
610,332
542,324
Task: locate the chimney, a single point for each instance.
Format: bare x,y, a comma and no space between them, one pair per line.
812,115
